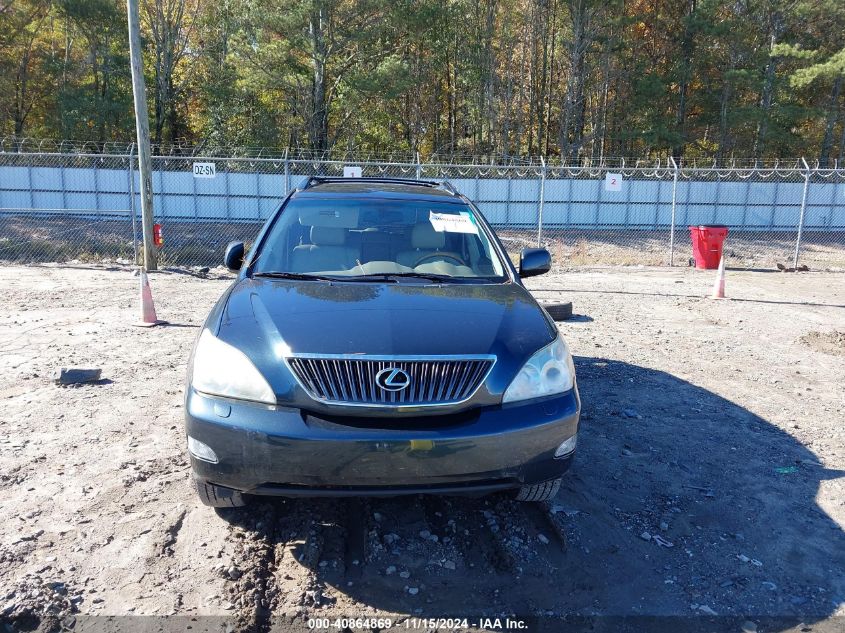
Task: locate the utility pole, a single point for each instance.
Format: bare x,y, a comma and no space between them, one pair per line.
142,125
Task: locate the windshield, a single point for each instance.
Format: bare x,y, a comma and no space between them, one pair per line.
366,237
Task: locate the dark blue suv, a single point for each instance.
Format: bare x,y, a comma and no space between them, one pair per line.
378,341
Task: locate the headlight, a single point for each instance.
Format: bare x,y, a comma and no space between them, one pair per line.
547,372
222,370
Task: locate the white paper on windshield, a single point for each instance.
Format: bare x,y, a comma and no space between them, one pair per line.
446,222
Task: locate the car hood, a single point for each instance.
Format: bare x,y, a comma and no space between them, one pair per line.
283,317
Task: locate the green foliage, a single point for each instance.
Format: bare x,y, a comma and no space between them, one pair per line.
600,77
832,67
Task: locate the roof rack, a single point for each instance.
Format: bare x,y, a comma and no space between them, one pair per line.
445,184
313,181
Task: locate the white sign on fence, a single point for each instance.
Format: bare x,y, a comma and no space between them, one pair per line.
205,170
351,172
613,182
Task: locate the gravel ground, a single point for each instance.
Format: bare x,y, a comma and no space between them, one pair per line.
709,478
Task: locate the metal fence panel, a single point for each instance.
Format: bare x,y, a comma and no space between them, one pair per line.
65,206
822,240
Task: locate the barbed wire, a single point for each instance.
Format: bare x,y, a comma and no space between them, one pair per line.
188,149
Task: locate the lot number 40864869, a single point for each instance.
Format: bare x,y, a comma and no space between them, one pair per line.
205,170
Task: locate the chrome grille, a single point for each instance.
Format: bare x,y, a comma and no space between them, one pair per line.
433,381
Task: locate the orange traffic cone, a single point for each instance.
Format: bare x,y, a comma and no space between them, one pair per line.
719,285
148,310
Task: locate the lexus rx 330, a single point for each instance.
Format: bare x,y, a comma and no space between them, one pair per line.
379,341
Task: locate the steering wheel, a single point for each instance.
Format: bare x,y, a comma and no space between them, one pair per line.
446,254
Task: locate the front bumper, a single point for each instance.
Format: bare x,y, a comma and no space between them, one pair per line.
283,451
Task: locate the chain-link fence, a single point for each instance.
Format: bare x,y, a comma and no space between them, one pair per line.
58,207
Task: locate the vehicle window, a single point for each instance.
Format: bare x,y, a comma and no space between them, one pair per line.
325,236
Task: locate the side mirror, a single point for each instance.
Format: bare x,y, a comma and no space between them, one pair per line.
534,261
234,257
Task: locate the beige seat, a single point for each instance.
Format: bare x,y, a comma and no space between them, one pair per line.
425,241
326,252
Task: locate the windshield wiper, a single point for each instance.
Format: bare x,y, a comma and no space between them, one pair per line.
274,274
372,277
392,276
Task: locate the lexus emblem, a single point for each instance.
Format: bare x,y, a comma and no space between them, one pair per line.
393,379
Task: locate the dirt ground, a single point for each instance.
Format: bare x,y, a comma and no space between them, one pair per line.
709,478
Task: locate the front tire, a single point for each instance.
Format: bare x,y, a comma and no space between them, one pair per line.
539,492
219,497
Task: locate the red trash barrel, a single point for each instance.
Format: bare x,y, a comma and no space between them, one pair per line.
707,241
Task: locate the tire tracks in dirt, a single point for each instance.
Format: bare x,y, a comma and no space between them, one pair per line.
253,588
356,521
485,541
171,532
293,558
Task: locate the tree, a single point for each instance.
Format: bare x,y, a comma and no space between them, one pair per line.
170,24
577,79
21,37
95,88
